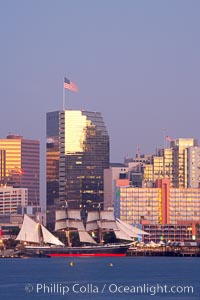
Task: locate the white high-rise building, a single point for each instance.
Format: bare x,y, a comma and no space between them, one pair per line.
11,199
193,154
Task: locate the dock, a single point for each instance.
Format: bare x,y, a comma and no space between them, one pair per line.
165,251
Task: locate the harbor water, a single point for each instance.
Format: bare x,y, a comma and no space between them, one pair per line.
100,278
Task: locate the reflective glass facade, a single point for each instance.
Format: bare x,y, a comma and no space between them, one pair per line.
77,154
2,167
22,160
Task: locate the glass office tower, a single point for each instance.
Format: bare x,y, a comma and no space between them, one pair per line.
20,159
77,153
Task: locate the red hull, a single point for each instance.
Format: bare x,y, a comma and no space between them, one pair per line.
85,254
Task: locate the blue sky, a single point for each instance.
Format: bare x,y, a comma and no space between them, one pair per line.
137,62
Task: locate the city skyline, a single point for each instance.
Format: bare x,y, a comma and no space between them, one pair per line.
131,74
137,64
124,161
135,67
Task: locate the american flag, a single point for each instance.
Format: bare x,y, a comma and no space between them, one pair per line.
70,85
168,138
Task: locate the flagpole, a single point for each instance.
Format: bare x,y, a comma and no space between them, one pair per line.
69,85
63,97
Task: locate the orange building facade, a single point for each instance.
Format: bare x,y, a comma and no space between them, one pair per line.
166,213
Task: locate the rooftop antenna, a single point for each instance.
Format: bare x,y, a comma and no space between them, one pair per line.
138,152
164,137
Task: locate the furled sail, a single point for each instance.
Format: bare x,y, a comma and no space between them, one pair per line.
49,238
29,231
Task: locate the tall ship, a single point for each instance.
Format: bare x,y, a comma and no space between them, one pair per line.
81,239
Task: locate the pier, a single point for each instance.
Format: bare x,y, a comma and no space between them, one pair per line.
165,251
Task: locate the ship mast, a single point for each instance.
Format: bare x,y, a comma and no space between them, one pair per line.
41,238
67,231
100,229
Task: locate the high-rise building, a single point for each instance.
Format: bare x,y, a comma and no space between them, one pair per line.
180,161
22,165
77,153
193,162
12,199
167,154
2,167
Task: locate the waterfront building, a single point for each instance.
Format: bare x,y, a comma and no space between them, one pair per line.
184,204
77,152
158,205
138,203
22,165
171,232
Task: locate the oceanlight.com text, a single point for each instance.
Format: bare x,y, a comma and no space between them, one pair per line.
108,288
